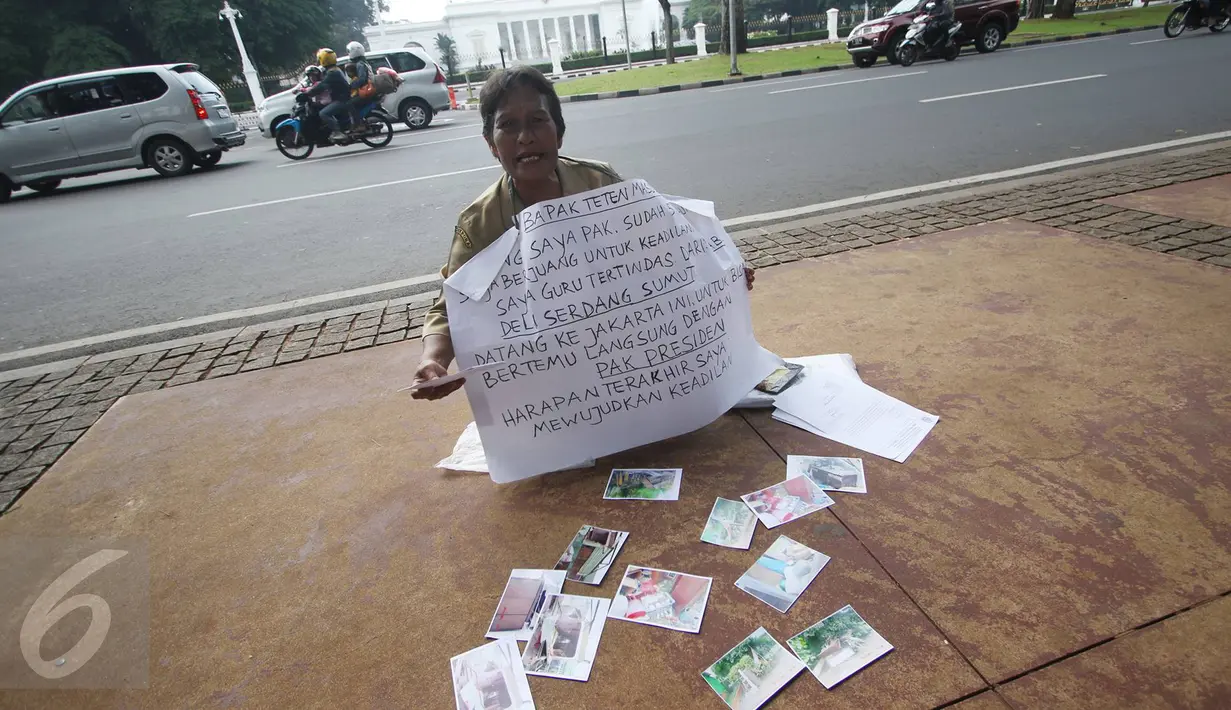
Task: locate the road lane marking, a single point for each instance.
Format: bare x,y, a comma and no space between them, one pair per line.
771,82
1149,41
374,151
798,212
1012,88
324,300
843,83
342,192
1051,45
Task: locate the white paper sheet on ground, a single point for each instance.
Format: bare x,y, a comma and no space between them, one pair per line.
468,454
622,317
850,412
837,362
439,381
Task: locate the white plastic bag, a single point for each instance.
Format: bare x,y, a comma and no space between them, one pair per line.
468,454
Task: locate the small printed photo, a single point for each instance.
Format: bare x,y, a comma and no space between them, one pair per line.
730,524
590,554
644,484
838,646
781,378
786,501
565,640
657,597
489,677
522,601
831,473
782,573
752,672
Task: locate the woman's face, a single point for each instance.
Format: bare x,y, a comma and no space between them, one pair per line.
524,136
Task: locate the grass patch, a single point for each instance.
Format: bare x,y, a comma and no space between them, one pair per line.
1100,22
718,66
713,67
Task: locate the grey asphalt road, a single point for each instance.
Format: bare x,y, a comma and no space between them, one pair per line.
123,251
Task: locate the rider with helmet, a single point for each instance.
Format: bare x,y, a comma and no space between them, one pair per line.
334,81
312,76
940,17
361,76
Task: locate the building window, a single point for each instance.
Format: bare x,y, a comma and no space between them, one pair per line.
549,30
579,32
519,39
566,36
476,43
596,33
536,40
504,38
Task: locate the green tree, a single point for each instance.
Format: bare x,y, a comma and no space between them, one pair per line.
669,29
69,36
448,52
351,16
1064,9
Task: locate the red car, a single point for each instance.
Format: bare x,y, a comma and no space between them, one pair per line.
986,24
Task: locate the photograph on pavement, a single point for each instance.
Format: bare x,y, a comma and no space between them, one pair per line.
565,639
522,602
782,573
491,676
786,501
644,484
656,597
838,646
830,473
752,672
781,378
731,524
590,554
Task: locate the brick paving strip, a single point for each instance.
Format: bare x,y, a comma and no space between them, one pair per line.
42,416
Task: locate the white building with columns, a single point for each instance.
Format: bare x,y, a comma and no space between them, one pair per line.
481,28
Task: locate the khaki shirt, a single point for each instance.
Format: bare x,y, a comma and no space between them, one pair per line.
491,215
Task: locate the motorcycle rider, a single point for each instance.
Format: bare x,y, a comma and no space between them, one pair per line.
362,76
334,81
940,19
311,77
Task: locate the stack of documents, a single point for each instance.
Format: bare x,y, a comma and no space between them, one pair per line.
829,399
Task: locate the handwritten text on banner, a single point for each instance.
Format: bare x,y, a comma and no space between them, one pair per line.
618,317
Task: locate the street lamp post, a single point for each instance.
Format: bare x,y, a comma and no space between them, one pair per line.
229,14
628,52
731,41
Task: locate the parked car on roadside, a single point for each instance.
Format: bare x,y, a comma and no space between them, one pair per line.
167,117
986,24
422,95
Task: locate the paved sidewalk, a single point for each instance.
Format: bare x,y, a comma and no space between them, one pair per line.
42,415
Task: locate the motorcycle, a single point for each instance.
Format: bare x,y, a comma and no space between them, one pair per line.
304,131
1193,15
913,46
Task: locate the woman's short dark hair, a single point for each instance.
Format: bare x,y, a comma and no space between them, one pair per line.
497,89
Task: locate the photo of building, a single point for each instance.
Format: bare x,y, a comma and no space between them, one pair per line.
522,28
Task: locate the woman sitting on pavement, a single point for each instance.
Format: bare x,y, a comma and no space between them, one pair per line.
524,129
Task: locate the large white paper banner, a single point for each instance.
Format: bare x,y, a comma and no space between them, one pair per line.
620,317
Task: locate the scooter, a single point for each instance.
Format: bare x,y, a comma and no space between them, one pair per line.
1193,15
304,131
913,47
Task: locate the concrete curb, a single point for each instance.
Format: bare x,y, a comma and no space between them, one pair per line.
651,91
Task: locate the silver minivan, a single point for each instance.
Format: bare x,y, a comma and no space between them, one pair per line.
166,117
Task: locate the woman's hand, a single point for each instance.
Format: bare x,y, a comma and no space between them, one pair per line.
437,354
750,275
428,371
